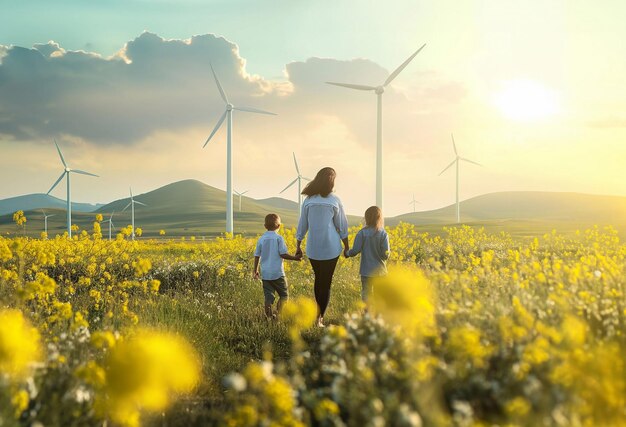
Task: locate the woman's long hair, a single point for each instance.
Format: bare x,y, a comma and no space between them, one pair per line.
322,184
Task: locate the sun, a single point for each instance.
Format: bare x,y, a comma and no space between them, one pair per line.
526,101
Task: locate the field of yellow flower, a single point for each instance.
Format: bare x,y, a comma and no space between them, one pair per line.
468,329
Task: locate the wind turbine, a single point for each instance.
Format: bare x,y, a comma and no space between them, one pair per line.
132,211
111,225
298,179
456,161
379,90
240,194
66,173
413,202
45,221
229,150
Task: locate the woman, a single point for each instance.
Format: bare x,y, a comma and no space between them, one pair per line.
324,218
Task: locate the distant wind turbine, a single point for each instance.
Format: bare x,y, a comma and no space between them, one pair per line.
66,173
298,179
45,222
111,225
131,204
229,150
456,161
379,90
413,202
240,194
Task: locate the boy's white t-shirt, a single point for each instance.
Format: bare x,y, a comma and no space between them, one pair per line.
270,247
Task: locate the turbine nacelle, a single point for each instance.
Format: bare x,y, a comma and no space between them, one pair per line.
379,90
230,107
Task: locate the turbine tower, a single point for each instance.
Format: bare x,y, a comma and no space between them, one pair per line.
132,211
45,222
66,173
229,149
240,194
456,161
413,202
111,225
379,90
298,179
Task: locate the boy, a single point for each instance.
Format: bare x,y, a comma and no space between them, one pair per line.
271,250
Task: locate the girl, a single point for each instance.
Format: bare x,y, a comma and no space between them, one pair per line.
373,243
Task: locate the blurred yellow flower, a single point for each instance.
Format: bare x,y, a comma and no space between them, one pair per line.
19,344
405,297
146,371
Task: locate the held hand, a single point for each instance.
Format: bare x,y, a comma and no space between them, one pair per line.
299,252
256,275
345,253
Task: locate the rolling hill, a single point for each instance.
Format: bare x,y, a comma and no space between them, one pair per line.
183,208
189,207
31,202
527,212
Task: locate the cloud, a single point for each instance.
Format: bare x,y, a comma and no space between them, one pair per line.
153,85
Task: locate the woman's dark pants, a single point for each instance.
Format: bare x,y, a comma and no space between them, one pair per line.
324,271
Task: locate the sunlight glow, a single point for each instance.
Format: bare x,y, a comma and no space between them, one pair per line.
526,100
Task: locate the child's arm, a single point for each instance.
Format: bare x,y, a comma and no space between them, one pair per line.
385,249
357,246
283,251
256,267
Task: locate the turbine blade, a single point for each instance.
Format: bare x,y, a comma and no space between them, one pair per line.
57,182
60,154
126,206
219,86
292,183
83,172
352,86
215,129
254,110
469,161
454,145
131,192
43,212
402,67
244,192
51,215
139,203
296,163
304,177
448,167
111,217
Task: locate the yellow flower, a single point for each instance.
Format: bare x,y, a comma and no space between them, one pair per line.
298,314
19,344
517,407
405,297
20,400
140,374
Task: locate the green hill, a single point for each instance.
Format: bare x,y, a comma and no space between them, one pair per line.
526,213
191,208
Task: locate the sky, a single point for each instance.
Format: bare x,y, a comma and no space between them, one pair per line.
533,91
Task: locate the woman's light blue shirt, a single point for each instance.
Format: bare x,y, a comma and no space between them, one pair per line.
326,222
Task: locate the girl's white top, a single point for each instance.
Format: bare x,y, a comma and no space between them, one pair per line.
326,222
